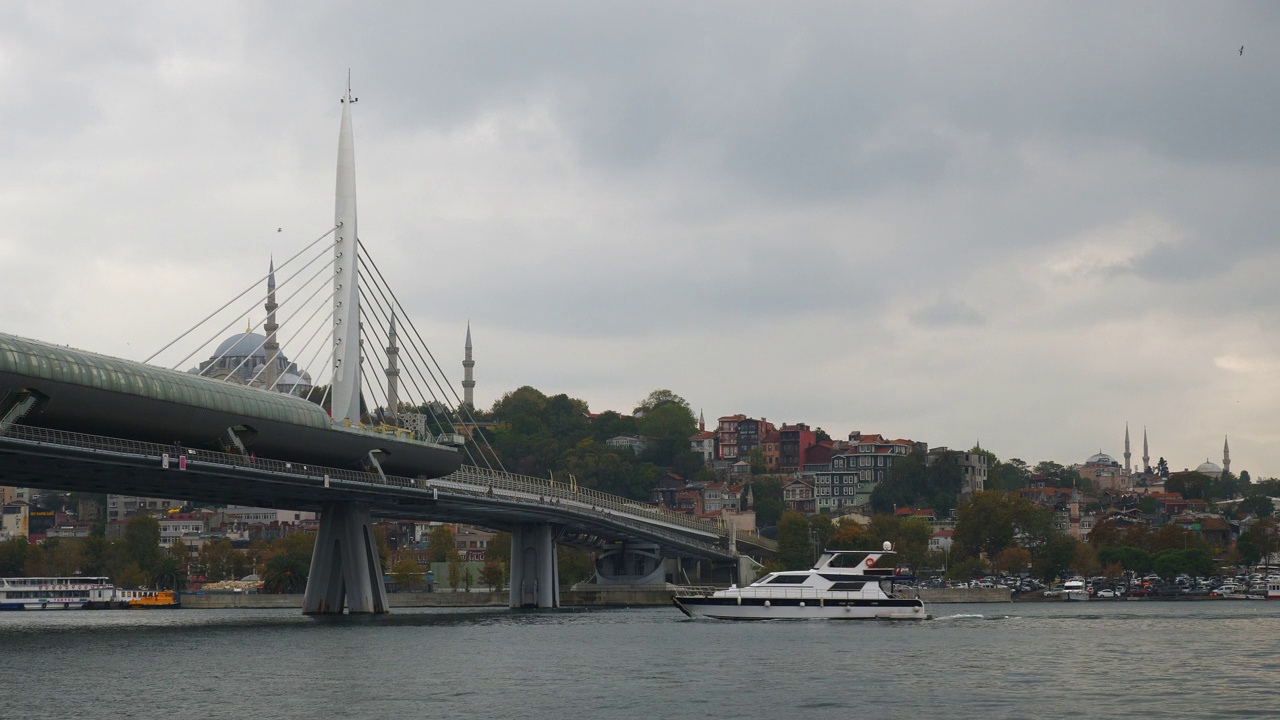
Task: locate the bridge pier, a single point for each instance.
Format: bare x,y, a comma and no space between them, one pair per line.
535,571
344,566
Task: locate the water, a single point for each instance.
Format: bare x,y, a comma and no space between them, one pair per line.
1098,659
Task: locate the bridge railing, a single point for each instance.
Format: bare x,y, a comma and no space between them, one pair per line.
476,481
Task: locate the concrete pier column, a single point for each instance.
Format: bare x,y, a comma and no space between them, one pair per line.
535,571
345,569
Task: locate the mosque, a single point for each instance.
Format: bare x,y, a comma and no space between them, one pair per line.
253,359
1108,474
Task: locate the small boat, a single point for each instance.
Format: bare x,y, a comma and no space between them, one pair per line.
1273,590
842,585
1074,591
158,599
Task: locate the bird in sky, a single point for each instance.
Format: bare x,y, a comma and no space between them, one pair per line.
1241,49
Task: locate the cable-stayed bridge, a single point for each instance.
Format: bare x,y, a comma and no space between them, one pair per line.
395,441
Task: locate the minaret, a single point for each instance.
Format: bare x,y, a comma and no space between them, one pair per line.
346,295
468,382
702,422
272,346
393,374
1226,456
1146,454
1126,448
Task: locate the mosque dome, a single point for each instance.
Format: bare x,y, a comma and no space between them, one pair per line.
1208,468
1101,459
242,345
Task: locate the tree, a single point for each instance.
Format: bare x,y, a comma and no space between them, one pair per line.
142,541
988,522
286,573
576,564
909,535
455,569
220,560
1130,558
657,399
440,543
667,427
492,573
13,556
168,574
1257,505
407,574
131,577
768,512
1013,560
795,547
1084,560
1260,541
1055,558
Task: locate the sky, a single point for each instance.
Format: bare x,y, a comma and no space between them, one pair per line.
1024,224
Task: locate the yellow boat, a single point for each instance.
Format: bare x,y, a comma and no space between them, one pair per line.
162,599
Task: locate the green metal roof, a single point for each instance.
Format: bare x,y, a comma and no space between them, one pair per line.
77,367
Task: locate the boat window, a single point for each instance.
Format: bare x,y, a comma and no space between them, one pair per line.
847,560
789,580
847,585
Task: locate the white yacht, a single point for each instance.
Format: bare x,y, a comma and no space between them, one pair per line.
842,585
1074,590
54,593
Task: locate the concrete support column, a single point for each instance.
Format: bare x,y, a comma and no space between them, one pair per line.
535,571
345,568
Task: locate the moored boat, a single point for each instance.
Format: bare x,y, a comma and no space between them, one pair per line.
152,600
842,585
53,593
1074,591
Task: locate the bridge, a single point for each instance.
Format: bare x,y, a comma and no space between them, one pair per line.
75,420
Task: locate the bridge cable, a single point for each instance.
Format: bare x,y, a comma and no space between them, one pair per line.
362,255
301,307
237,297
246,312
384,361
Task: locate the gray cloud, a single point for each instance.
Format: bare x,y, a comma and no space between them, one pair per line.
793,212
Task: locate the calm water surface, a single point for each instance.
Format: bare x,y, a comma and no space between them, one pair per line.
1098,659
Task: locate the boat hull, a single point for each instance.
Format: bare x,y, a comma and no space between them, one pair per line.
733,608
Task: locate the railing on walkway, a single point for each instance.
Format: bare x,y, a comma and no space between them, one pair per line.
471,481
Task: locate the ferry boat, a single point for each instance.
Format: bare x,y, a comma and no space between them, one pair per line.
54,593
842,585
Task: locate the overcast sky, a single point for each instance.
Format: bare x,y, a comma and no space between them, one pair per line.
1021,223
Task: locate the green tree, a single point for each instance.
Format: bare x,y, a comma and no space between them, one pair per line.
13,556
141,541
1257,505
1055,558
795,546
988,522
455,569
168,574
407,574
286,573
492,573
220,560
131,577
768,512
1084,560
909,535
1130,558
657,399
440,543
576,565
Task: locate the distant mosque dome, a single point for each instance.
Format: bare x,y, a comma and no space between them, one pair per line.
243,345
1209,468
1101,459
247,358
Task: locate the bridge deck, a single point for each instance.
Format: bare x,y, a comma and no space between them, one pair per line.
38,457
